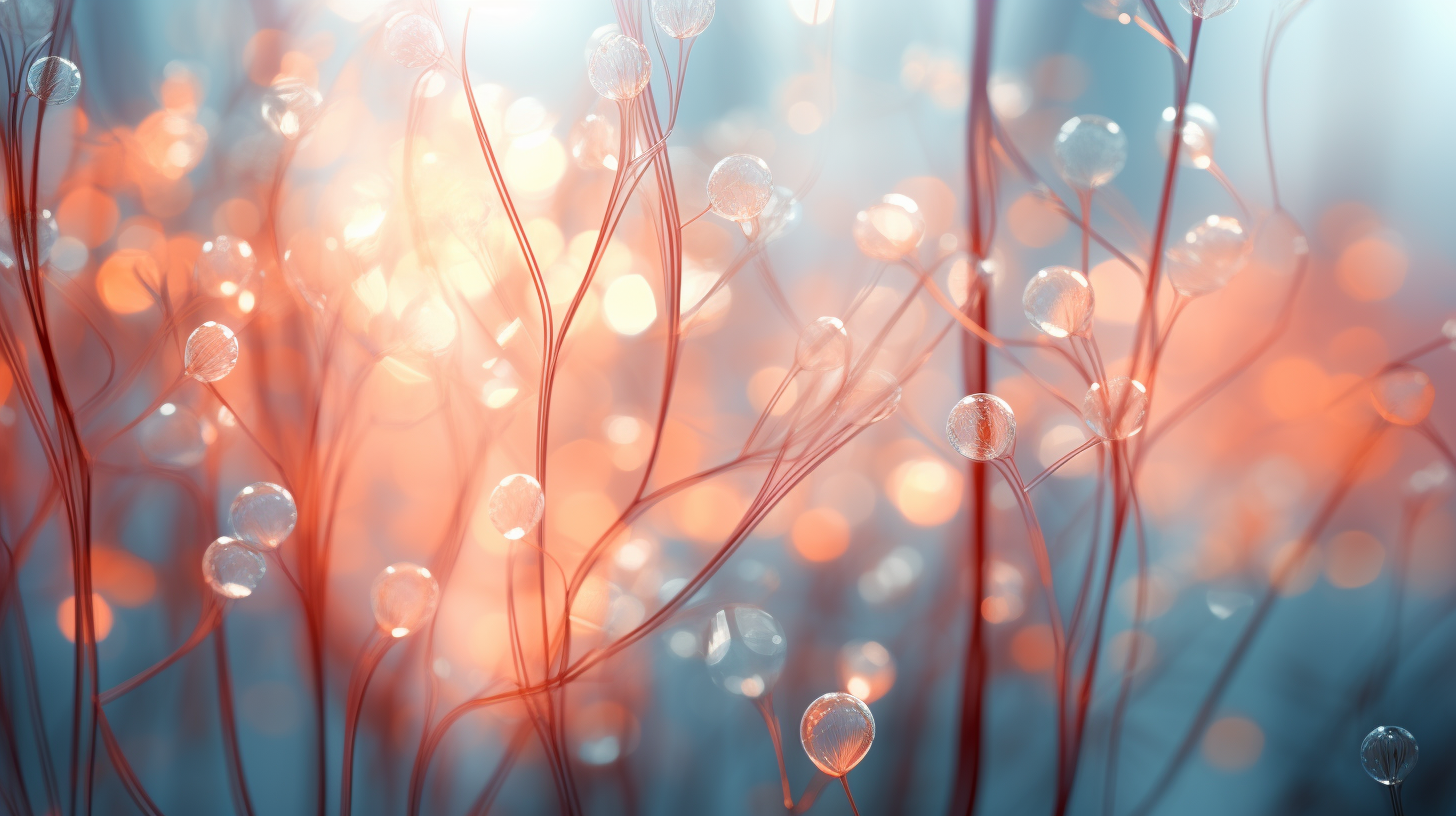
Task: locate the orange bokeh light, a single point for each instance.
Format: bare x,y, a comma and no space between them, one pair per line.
101,617
820,534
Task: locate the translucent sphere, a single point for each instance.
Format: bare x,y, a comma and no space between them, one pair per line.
1209,255
46,233
620,68
866,669
211,352
1388,754
516,505
837,731
1279,244
225,265
1089,151
1403,395
232,568
889,230
291,107
779,217
739,187
263,514
982,427
594,143
174,437
403,597
681,19
414,41
1058,301
1117,411
746,648
873,397
1207,9
823,345
53,80
1200,131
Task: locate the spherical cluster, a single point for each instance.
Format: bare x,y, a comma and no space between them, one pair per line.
211,352
403,597
739,187
683,19
1058,301
53,80
263,514
746,649
982,427
1200,131
620,68
1117,410
1388,754
872,398
1403,395
823,345
174,437
1090,151
516,504
232,568
889,230
414,41
1210,254
837,731
291,107
225,265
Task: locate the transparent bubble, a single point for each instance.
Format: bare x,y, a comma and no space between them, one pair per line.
516,505
403,597
1089,151
1207,9
225,265
46,233
1117,411
1403,395
414,41
211,352
823,345
1280,244
263,514
866,669
872,398
594,143
1200,131
837,731
174,437
291,107
1058,301
889,230
1388,754
620,68
1209,255
982,427
232,568
682,19
739,187
53,80
746,650
780,216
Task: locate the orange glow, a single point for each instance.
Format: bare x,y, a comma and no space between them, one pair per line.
236,216
100,617
1372,268
129,580
1233,743
1293,387
262,55
1034,222
765,383
1353,559
89,215
7,379
707,513
124,278
927,492
820,534
1033,648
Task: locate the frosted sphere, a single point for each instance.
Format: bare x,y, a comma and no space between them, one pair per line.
837,731
872,398
263,514
1116,411
225,265
516,505
780,216
866,669
1403,395
889,230
1200,131
681,19
594,143
174,437
291,107
46,233
1058,301
739,187
746,648
1209,255
403,597
1388,754
232,568
1089,151
53,80
823,345
211,352
982,427
620,68
1207,9
414,41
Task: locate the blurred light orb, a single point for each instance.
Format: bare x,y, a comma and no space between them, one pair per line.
837,731
1403,395
739,187
866,669
982,427
1200,131
225,265
1207,9
593,143
889,230
1430,480
403,597
430,325
291,107
232,568
516,505
263,514
211,352
1209,255
53,80
823,345
629,305
812,12
1089,151
1058,301
746,649
174,437
1116,411
1388,754
872,398
620,68
47,232
892,577
683,19
414,41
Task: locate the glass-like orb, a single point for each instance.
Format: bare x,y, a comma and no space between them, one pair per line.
225,265
1058,301
889,230
746,650
263,514
1207,9
1388,754
780,216
866,669
872,398
982,427
53,80
174,437
211,352
232,568
1116,411
739,187
403,597
1279,244
837,731
683,19
1200,131
823,345
1403,395
594,143
1089,151
414,41
1209,255
291,107
46,233
516,505
620,68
